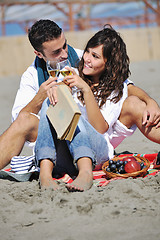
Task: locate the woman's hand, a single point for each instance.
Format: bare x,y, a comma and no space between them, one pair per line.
76,80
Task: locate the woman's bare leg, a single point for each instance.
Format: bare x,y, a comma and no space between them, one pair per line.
132,113
84,180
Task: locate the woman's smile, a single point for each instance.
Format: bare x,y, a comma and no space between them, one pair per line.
94,63
86,65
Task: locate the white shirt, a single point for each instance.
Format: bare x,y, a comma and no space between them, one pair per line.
29,87
110,110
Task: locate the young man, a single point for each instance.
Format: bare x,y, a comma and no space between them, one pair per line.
49,43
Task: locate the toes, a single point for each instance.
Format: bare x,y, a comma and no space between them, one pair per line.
73,188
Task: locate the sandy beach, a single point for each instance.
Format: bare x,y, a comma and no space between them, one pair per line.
124,209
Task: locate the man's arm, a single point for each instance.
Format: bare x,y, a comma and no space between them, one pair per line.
34,106
29,96
151,115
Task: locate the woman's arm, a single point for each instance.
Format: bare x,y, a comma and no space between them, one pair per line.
94,114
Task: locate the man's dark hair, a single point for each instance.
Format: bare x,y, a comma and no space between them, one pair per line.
43,31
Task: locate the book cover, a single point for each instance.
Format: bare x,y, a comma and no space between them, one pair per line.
64,116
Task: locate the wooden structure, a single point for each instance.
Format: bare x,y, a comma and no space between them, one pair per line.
82,23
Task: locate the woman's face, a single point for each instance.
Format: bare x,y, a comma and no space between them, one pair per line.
94,63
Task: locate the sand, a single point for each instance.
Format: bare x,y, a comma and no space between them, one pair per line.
124,209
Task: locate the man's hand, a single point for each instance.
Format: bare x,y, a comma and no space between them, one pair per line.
52,94
46,90
151,115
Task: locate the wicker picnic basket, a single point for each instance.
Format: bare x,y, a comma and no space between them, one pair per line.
140,173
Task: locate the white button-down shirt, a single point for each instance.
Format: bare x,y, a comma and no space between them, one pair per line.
29,87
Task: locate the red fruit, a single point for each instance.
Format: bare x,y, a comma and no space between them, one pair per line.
132,166
129,158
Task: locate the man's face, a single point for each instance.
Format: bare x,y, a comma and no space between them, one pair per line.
55,49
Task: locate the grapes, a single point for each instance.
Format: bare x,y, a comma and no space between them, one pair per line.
119,163
118,166
111,162
113,167
108,169
121,169
124,163
142,165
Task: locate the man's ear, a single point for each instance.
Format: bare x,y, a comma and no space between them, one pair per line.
39,54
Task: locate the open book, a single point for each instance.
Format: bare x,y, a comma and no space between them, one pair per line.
64,116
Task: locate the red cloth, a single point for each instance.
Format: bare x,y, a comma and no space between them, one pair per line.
100,177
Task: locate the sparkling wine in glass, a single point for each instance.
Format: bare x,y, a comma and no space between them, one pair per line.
62,68
65,72
52,68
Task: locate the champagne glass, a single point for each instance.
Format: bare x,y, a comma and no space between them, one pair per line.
65,72
62,68
52,68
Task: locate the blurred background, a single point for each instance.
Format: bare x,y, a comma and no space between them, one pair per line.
75,15
137,21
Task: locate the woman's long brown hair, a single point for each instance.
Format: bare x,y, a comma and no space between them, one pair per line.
116,67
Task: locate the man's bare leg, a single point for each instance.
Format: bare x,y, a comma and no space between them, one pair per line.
46,179
131,114
84,180
24,128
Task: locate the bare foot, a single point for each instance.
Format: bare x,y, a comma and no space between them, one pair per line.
82,183
48,182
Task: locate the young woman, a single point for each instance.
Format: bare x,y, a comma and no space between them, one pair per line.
110,111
